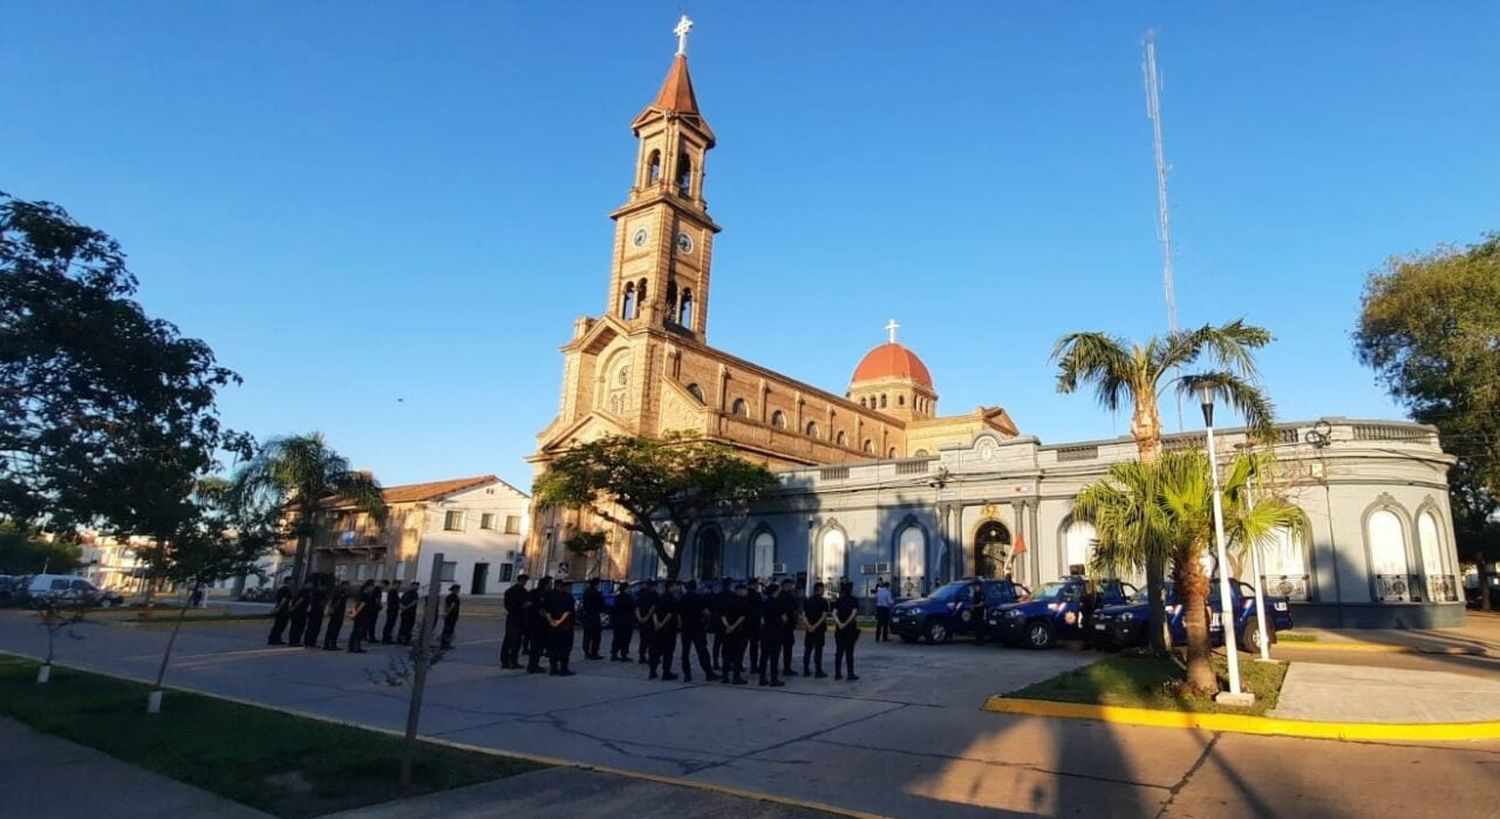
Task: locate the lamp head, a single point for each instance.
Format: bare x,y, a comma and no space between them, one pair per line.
1206,397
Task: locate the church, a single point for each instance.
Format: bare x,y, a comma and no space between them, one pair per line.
878,484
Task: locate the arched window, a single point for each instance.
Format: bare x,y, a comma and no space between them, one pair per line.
671,300
1284,562
841,439
812,429
1387,541
763,554
869,447
1078,546
831,563
710,553
778,419
653,173
900,400
627,303
684,172
921,453
911,562
882,400
686,319
862,401
1442,587
640,298
739,408
696,390
891,453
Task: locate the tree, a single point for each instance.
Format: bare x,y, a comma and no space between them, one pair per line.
1430,328
1139,374
301,475
655,488
24,550
585,546
1144,511
107,416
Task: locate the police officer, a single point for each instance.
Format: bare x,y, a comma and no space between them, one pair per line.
364,606
664,624
789,631
279,614
755,603
450,616
815,615
978,610
300,604
408,603
645,610
337,603
558,615
774,614
723,595
734,617
695,618
622,619
883,604
593,614
517,601
373,596
536,625
845,631
392,610
316,603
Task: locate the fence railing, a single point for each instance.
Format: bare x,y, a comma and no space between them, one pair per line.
1397,588
1443,588
1296,587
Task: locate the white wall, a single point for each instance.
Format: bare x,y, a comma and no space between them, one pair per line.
472,544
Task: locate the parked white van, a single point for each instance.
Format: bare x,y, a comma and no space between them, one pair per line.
70,588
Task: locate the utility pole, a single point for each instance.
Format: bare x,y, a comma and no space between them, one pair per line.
1163,213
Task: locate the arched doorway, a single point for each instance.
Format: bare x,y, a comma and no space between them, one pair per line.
710,553
991,549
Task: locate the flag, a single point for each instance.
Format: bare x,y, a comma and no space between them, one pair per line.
1020,545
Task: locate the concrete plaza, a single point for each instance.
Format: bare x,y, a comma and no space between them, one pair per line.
908,739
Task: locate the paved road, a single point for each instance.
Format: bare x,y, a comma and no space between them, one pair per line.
906,740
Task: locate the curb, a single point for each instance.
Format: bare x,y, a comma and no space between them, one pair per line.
556,762
1246,724
1376,648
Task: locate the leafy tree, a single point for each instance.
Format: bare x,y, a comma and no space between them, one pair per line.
586,547
23,550
301,475
1124,372
107,415
1143,511
1430,328
655,488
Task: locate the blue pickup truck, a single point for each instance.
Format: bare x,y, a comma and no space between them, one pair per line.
949,610
1057,611
1124,625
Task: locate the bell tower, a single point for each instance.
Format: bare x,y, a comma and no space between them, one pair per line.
663,233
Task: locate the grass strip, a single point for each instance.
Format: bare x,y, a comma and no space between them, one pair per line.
1155,682
282,764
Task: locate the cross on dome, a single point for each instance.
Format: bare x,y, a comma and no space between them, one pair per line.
891,329
683,27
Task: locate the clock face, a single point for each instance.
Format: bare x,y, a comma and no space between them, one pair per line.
640,236
684,243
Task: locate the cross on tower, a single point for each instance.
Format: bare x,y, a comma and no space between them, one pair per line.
891,328
683,27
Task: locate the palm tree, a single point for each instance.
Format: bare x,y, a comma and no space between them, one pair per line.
1164,511
301,475
1123,371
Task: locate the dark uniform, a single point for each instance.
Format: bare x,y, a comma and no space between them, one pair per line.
789,632
536,627
372,598
845,607
622,618
813,609
408,602
558,619
450,617
774,614
516,599
279,615
694,635
300,604
366,608
734,611
315,606
664,635
716,611
392,611
337,602
977,612
645,606
593,621
755,604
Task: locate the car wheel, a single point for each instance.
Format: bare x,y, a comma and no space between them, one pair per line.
937,632
1039,634
907,638
1251,642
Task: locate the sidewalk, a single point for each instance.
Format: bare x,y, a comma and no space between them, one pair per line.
1360,693
1479,636
44,776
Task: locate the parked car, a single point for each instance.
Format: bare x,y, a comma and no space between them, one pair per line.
1059,610
67,588
948,610
1124,625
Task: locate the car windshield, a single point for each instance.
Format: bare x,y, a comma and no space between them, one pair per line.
950,592
1143,594
1050,591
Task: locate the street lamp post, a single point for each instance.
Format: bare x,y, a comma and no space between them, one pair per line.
1226,619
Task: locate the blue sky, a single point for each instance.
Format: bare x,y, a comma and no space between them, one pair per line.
385,216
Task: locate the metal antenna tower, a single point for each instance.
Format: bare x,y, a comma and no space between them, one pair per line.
1163,213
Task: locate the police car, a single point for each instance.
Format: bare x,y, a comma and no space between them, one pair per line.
606,587
1055,612
948,610
1124,625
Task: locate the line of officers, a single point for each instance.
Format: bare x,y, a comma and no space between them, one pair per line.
302,607
739,617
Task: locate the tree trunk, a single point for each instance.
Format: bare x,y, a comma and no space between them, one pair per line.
166,657
1161,642
1145,428
1192,594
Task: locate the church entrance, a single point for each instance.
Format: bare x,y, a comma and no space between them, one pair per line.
991,549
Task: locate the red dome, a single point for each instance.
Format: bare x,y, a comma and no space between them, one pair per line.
892,361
